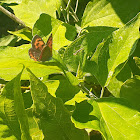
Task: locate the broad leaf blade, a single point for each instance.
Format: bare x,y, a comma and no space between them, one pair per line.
12,110
29,11
23,33
35,132
63,34
62,88
116,82
12,58
114,51
137,61
131,91
51,115
8,40
109,13
109,117
11,1
76,53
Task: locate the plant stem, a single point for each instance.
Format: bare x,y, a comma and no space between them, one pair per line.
87,91
68,5
13,17
74,14
76,7
25,88
102,92
94,91
68,17
64,16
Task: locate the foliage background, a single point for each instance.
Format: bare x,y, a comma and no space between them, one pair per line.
90,89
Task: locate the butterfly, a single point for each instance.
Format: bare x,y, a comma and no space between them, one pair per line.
41,51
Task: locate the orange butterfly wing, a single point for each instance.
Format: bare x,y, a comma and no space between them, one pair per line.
40,51
46,53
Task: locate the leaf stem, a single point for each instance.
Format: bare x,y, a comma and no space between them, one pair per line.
68,5
76,6
64,16
74,14
13,17
102,92
87,91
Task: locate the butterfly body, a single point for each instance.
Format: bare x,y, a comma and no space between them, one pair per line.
41,51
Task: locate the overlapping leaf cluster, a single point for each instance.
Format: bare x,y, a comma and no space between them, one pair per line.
92,81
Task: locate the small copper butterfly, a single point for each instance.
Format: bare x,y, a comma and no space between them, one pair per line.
41,51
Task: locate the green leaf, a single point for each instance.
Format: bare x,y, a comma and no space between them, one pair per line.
113,117
113,51
131,91
72,79
23,33
77,52
109,13
62,88
137,61
11,1
29,11
27,99
57,58
79,97
12,58
63,34
117,81
51,115
12,113
53,86
8,40
35,132
134,60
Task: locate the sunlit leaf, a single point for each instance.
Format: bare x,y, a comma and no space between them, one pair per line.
137,61
63,34
12,58
109,13
117,81
113,117
23,33
76,53
131,91
8,40
29,11
51,115
11,1
114,51
13,115
62,88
